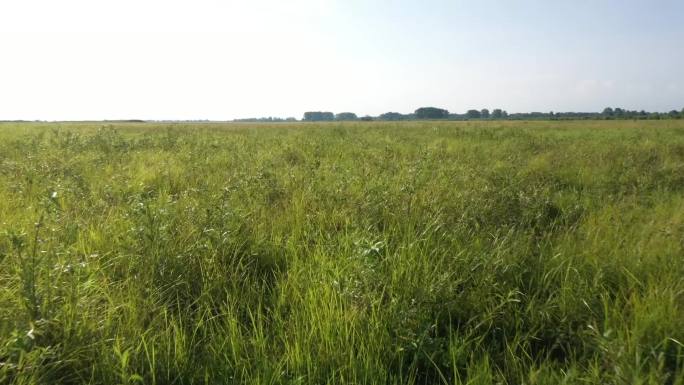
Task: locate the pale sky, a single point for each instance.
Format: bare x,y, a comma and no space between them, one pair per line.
211,59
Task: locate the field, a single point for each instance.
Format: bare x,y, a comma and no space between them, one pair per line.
358,253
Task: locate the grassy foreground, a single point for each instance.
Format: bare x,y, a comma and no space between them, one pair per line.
359,253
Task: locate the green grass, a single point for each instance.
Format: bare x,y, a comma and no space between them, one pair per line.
357,253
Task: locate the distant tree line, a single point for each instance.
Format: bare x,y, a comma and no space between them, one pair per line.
318,116
431,113
267,120
434,113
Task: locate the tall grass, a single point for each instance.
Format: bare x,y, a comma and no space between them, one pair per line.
356,253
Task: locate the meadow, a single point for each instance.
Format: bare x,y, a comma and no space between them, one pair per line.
495,252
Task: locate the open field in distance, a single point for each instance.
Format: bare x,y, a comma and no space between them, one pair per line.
342,253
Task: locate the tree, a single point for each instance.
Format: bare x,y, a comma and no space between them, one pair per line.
473,114
317,116
391,116
484,113
607,111
497,113
431,113
346,116
367,118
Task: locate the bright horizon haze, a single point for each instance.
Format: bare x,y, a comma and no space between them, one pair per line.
220,60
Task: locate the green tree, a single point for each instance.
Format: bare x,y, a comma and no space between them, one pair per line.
473,114
484,113
497,113
391,116
431,113
346,116
317,116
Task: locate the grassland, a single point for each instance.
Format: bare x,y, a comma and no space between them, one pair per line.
357,253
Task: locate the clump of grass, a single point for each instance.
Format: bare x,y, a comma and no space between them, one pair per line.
375,253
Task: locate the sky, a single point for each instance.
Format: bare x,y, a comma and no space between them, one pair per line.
219,60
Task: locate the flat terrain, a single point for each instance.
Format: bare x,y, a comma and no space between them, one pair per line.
357,253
